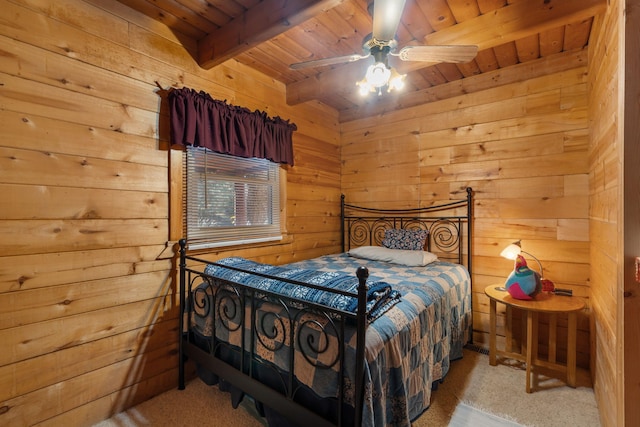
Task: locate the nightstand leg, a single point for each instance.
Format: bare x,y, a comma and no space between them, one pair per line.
492,332
571,349
508,334
529,354
523,332
553,328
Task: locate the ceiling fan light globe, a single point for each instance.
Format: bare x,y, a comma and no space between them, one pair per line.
378,75
396,81
364,87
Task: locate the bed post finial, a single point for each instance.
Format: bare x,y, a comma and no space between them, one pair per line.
363,273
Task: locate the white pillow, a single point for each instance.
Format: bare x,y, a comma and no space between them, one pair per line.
406,257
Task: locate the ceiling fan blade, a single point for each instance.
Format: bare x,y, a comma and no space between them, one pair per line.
452,53
386,18
327,61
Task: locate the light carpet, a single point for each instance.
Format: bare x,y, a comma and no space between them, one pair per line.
471,387
467,416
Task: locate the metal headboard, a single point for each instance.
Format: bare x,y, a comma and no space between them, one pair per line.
449,226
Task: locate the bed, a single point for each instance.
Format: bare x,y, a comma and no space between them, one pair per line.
373,327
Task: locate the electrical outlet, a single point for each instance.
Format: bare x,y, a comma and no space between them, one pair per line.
638,269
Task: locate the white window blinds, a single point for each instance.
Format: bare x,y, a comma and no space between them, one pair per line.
230,200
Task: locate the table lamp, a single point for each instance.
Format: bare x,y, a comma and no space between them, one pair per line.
515,249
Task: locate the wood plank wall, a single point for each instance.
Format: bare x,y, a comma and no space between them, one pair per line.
614,213
604,216
521,145
631,213
88,324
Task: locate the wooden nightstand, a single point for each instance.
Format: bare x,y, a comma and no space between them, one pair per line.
543,303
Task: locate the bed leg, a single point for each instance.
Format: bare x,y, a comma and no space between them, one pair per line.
181,356
181,384
363,274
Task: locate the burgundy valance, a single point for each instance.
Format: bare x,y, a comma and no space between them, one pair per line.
199,120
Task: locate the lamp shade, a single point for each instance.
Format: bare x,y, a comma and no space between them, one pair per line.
511,251
378,75
396,81
514,249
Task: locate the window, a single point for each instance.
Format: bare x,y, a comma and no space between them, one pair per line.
230,200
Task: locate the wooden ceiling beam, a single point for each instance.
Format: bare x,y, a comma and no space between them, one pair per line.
510,23
266,20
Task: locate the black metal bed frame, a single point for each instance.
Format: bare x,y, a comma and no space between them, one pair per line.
366,226
226,302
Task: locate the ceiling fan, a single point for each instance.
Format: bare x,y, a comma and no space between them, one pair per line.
381,43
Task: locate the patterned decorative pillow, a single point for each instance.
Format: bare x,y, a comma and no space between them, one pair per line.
396,238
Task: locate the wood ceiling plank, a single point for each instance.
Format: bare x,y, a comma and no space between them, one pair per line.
270,59
487,61
486,6
170,19
438,13
291,45
329,42
229,7
463,10
340,30
207,10
576,35
247,4
449,71
344,32
415,22
528,48
433,76
506,54
551,41
305,35
258,24
357,16
469,69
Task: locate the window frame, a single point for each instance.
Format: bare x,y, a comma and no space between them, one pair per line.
178,197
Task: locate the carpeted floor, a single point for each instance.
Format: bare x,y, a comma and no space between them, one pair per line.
500,390
497,390
466,415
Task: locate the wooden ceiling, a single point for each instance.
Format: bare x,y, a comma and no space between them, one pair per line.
270,35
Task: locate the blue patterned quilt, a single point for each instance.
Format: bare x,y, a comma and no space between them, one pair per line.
380,295
408,348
